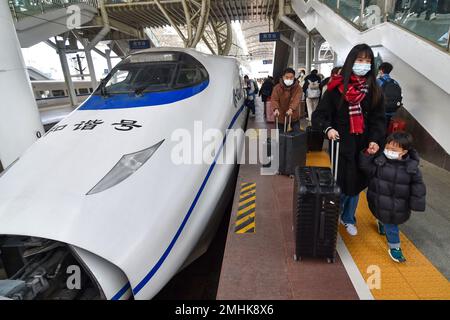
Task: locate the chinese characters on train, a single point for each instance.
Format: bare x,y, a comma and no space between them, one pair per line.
123,125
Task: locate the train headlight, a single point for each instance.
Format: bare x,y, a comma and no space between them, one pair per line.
125,167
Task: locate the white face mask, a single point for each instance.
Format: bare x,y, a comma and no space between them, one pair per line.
392,154
361,69
288,82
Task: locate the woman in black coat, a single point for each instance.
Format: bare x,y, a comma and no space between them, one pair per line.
352,110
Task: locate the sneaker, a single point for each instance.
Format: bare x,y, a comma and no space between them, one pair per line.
396,254
351,228
432,16
381,228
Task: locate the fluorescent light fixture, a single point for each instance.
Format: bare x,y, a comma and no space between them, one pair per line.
124,168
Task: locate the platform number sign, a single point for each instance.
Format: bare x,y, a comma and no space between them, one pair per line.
139,44
269,36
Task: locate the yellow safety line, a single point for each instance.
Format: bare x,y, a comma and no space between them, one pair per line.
247,201
252,186
239,222
244,230
246,209
243,195
416,278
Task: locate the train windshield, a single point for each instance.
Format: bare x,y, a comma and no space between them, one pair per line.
153,72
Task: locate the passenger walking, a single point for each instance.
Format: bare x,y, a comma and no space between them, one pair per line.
266,91
391,90
324,83
285,100
311,89
352,110
395,187
251,94
301,77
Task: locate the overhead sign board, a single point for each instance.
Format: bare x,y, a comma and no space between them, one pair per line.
269,36
139,44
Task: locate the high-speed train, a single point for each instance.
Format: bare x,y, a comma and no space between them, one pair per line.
52,98
53,93
98,208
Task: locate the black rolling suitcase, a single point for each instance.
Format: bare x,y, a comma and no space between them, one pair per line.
293,148
316,212
315,139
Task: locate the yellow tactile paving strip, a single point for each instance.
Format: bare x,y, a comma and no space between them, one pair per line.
417,278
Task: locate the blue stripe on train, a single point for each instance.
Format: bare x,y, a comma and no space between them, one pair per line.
123,101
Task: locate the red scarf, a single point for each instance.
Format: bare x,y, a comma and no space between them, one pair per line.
356,92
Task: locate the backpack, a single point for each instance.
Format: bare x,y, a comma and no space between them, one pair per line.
392,95
313,91
256,87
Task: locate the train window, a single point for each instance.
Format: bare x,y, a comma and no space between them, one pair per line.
44,94
191,72
83,91
58,93
115,82
187,76
157,72
142,77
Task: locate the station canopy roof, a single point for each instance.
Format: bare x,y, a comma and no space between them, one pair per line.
248,18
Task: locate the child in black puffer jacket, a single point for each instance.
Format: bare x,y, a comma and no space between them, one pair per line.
395,187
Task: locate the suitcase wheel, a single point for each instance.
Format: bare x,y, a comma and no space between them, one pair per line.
331,260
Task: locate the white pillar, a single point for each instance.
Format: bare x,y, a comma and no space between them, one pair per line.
108,59
66,71
91,67
20,122
295,54
316,51
308,55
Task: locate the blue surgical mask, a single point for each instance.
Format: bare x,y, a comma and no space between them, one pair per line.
361,69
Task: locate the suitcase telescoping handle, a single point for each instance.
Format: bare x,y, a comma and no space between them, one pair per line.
285,122
334,158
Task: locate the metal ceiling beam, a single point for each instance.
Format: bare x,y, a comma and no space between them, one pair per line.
172,22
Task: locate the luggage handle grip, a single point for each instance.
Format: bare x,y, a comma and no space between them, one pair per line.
285,122
334,158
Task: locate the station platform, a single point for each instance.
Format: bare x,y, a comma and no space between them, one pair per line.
258,260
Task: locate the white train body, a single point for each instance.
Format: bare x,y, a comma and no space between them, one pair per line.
134,235
54,93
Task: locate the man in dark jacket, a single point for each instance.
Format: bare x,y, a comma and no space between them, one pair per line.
395,187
